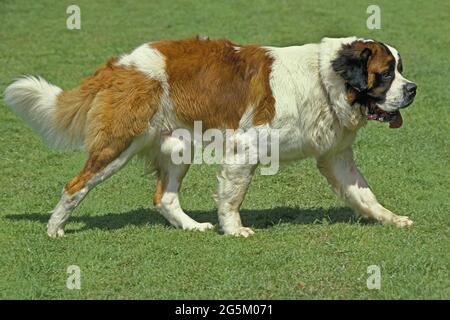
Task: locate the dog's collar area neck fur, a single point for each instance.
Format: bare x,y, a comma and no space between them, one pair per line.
347,113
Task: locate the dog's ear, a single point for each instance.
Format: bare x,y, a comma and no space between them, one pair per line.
351,65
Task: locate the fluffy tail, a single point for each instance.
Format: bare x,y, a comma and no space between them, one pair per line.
50,112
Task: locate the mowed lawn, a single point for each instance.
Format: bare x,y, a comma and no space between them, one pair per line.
307,245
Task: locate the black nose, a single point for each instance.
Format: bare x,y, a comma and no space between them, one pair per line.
411,88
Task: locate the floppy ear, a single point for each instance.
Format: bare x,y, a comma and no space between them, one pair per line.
351,65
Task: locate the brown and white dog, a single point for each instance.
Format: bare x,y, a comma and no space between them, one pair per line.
317,95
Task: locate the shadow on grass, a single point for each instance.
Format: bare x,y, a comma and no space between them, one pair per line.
260,219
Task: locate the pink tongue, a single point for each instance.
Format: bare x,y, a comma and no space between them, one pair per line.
396,122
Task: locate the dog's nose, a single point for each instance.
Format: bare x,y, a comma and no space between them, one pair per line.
411,88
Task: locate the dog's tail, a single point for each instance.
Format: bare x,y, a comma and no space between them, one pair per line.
58,116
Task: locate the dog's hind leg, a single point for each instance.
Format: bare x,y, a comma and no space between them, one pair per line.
346,180
100,166
170,177
122,102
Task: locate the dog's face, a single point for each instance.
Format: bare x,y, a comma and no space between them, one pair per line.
372,72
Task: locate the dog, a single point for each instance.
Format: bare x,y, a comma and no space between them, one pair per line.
317,95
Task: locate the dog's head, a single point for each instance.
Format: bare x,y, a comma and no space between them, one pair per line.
372,72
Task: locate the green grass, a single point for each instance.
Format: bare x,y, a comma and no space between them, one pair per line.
307,244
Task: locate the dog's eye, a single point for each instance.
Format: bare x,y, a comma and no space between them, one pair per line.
386,75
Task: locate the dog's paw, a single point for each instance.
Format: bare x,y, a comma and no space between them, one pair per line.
199,227
241,232
401,221
55,232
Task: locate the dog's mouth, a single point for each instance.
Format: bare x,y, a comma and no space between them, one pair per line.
373,112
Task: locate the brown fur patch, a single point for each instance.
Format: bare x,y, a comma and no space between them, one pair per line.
120,101
351,95
160,188
212,82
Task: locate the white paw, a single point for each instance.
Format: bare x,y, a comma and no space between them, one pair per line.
199,227
55,232
241,232
401,221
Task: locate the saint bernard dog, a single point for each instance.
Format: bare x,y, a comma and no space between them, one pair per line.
316,95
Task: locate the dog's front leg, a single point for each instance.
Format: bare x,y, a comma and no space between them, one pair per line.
233,181
346,180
